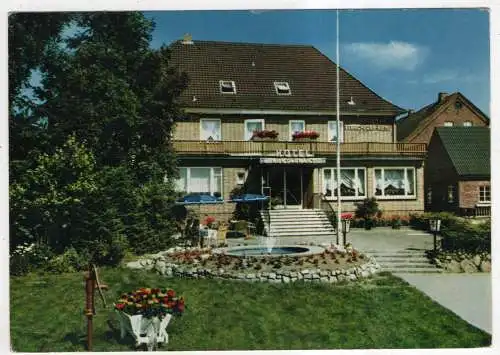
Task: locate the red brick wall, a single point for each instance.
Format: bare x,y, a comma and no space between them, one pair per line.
457,116
468,192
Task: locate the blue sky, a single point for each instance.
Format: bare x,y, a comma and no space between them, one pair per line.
406,56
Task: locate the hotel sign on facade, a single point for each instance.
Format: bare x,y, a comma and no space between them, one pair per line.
292,156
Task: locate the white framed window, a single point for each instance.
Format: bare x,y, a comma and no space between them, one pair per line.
467,124
484,193
394,183
282,88
251,126
203,180
210,129
352,183
227,87
332,131
296,126
448,124
451,193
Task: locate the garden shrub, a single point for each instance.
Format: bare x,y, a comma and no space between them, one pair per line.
367,210
27,257
463,236
69,261
421,221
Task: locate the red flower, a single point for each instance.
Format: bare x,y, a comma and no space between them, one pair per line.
120,306
306,134
170,293
208,220
346,215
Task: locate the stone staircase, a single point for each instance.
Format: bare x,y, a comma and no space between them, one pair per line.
403,261
298,223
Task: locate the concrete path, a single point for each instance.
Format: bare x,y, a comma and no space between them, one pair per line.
466,295
380,238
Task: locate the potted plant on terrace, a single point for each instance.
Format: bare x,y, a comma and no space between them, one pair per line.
305,136
265,135
146,313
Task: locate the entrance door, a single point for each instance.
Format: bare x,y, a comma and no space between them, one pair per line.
285,184
293,187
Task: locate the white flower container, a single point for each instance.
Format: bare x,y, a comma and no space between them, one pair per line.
149,331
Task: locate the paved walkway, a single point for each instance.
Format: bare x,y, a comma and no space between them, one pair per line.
380,238
467,295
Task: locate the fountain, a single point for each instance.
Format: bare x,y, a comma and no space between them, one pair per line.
267,243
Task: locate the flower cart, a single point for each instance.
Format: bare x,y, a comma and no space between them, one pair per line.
146,313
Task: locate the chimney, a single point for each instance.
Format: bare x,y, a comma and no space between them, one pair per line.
187,39
442,96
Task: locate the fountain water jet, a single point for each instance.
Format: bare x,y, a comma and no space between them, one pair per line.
268,243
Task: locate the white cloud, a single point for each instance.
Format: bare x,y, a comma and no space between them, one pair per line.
392,55
440,76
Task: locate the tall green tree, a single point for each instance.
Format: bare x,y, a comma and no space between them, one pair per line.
115,93
117,98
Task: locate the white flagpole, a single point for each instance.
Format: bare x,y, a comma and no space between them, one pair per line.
339,226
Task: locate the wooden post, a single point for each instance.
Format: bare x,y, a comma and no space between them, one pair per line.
89,303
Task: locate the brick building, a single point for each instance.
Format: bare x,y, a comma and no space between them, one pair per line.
240,92
450,110
457,172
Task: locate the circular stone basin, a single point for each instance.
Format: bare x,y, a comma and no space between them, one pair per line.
294,250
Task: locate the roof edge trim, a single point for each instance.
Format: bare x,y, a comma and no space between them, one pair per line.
284,112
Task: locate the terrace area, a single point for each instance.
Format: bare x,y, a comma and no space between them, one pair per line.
196,147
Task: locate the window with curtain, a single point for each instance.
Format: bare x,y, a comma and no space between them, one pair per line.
332,131
210,129
352,183
251,126
200,180
394,182
297,126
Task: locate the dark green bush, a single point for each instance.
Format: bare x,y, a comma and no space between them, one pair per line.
367,210
464,236
69,261
421,221
27,257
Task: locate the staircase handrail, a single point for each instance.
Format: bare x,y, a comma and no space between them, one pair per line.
328,209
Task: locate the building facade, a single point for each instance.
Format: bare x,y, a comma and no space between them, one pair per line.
457,175
261,118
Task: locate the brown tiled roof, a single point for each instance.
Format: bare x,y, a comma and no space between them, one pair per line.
255,68
409,124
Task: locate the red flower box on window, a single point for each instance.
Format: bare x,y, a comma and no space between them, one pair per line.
265,134
305,134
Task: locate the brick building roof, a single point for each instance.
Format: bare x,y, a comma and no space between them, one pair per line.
406,126
468,149
255,67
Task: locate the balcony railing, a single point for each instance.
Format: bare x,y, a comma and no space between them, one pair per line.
193,147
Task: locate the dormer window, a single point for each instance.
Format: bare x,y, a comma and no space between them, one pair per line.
227,87
282,88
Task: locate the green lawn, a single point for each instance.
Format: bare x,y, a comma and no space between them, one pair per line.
383,312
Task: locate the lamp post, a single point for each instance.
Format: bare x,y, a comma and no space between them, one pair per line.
346,226
435,227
